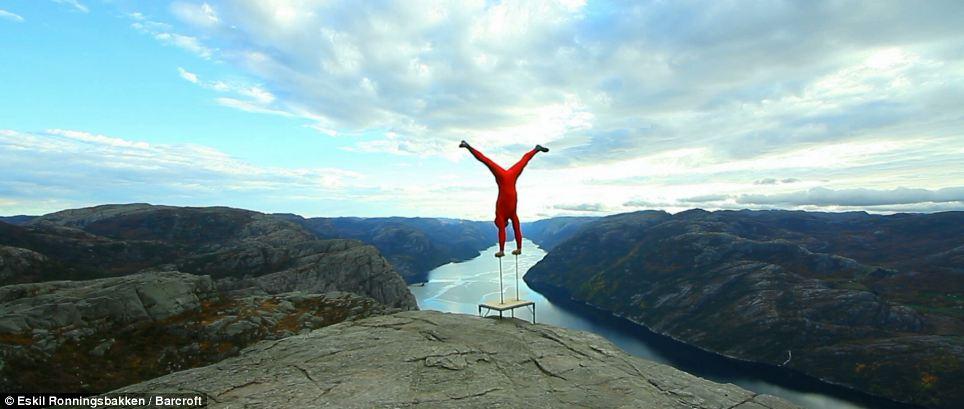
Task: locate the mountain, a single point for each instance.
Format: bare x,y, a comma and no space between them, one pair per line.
439,360
548,233
416,245
21,219
869,301
97,335
97,298
241,249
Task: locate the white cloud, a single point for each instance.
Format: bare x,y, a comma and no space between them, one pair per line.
187,75
188,43
600,82
202,15
249,106
165,33
582,207
76,5
73,168
248,98
6,15
858,197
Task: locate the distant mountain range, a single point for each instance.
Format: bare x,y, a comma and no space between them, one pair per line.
869,301
22,219
416,245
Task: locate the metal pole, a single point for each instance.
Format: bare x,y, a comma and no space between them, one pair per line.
501,300
517,277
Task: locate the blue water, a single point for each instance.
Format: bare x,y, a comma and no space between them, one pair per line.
461,287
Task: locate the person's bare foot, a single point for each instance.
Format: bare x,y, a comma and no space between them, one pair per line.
500,254
464,144
541,148
517,251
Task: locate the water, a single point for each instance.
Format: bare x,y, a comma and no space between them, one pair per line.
461,287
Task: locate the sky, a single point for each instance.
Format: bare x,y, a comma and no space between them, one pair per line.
346,108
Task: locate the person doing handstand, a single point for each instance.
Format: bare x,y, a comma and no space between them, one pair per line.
505,205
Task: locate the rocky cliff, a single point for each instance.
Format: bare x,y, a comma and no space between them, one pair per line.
97,335
233,246
872,302
439,360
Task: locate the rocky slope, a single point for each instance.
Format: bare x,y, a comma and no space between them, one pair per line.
872,302
233,246
439,360
97,335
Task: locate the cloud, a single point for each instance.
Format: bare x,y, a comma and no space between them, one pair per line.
249,106
69,168
857,197
705,198
165,33
582,207
188,43
248,98
76,5
187,75
600,82
772,181
202,15
6,15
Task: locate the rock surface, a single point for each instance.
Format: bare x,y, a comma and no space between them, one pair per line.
96,335
871,302
440,360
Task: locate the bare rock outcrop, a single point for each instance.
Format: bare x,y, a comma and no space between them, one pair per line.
96,335
441,360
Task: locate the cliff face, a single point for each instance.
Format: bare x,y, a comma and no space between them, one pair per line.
97,335
233,246
872,302
444,360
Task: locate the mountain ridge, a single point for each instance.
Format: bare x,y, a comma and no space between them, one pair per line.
753,285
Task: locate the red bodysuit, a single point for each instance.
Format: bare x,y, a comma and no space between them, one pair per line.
505,205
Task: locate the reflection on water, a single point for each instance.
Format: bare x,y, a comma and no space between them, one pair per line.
461,287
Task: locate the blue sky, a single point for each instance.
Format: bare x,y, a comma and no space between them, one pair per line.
327,108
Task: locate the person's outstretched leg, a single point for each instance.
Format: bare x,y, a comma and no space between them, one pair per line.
493,167
521,164
517,228
500,223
